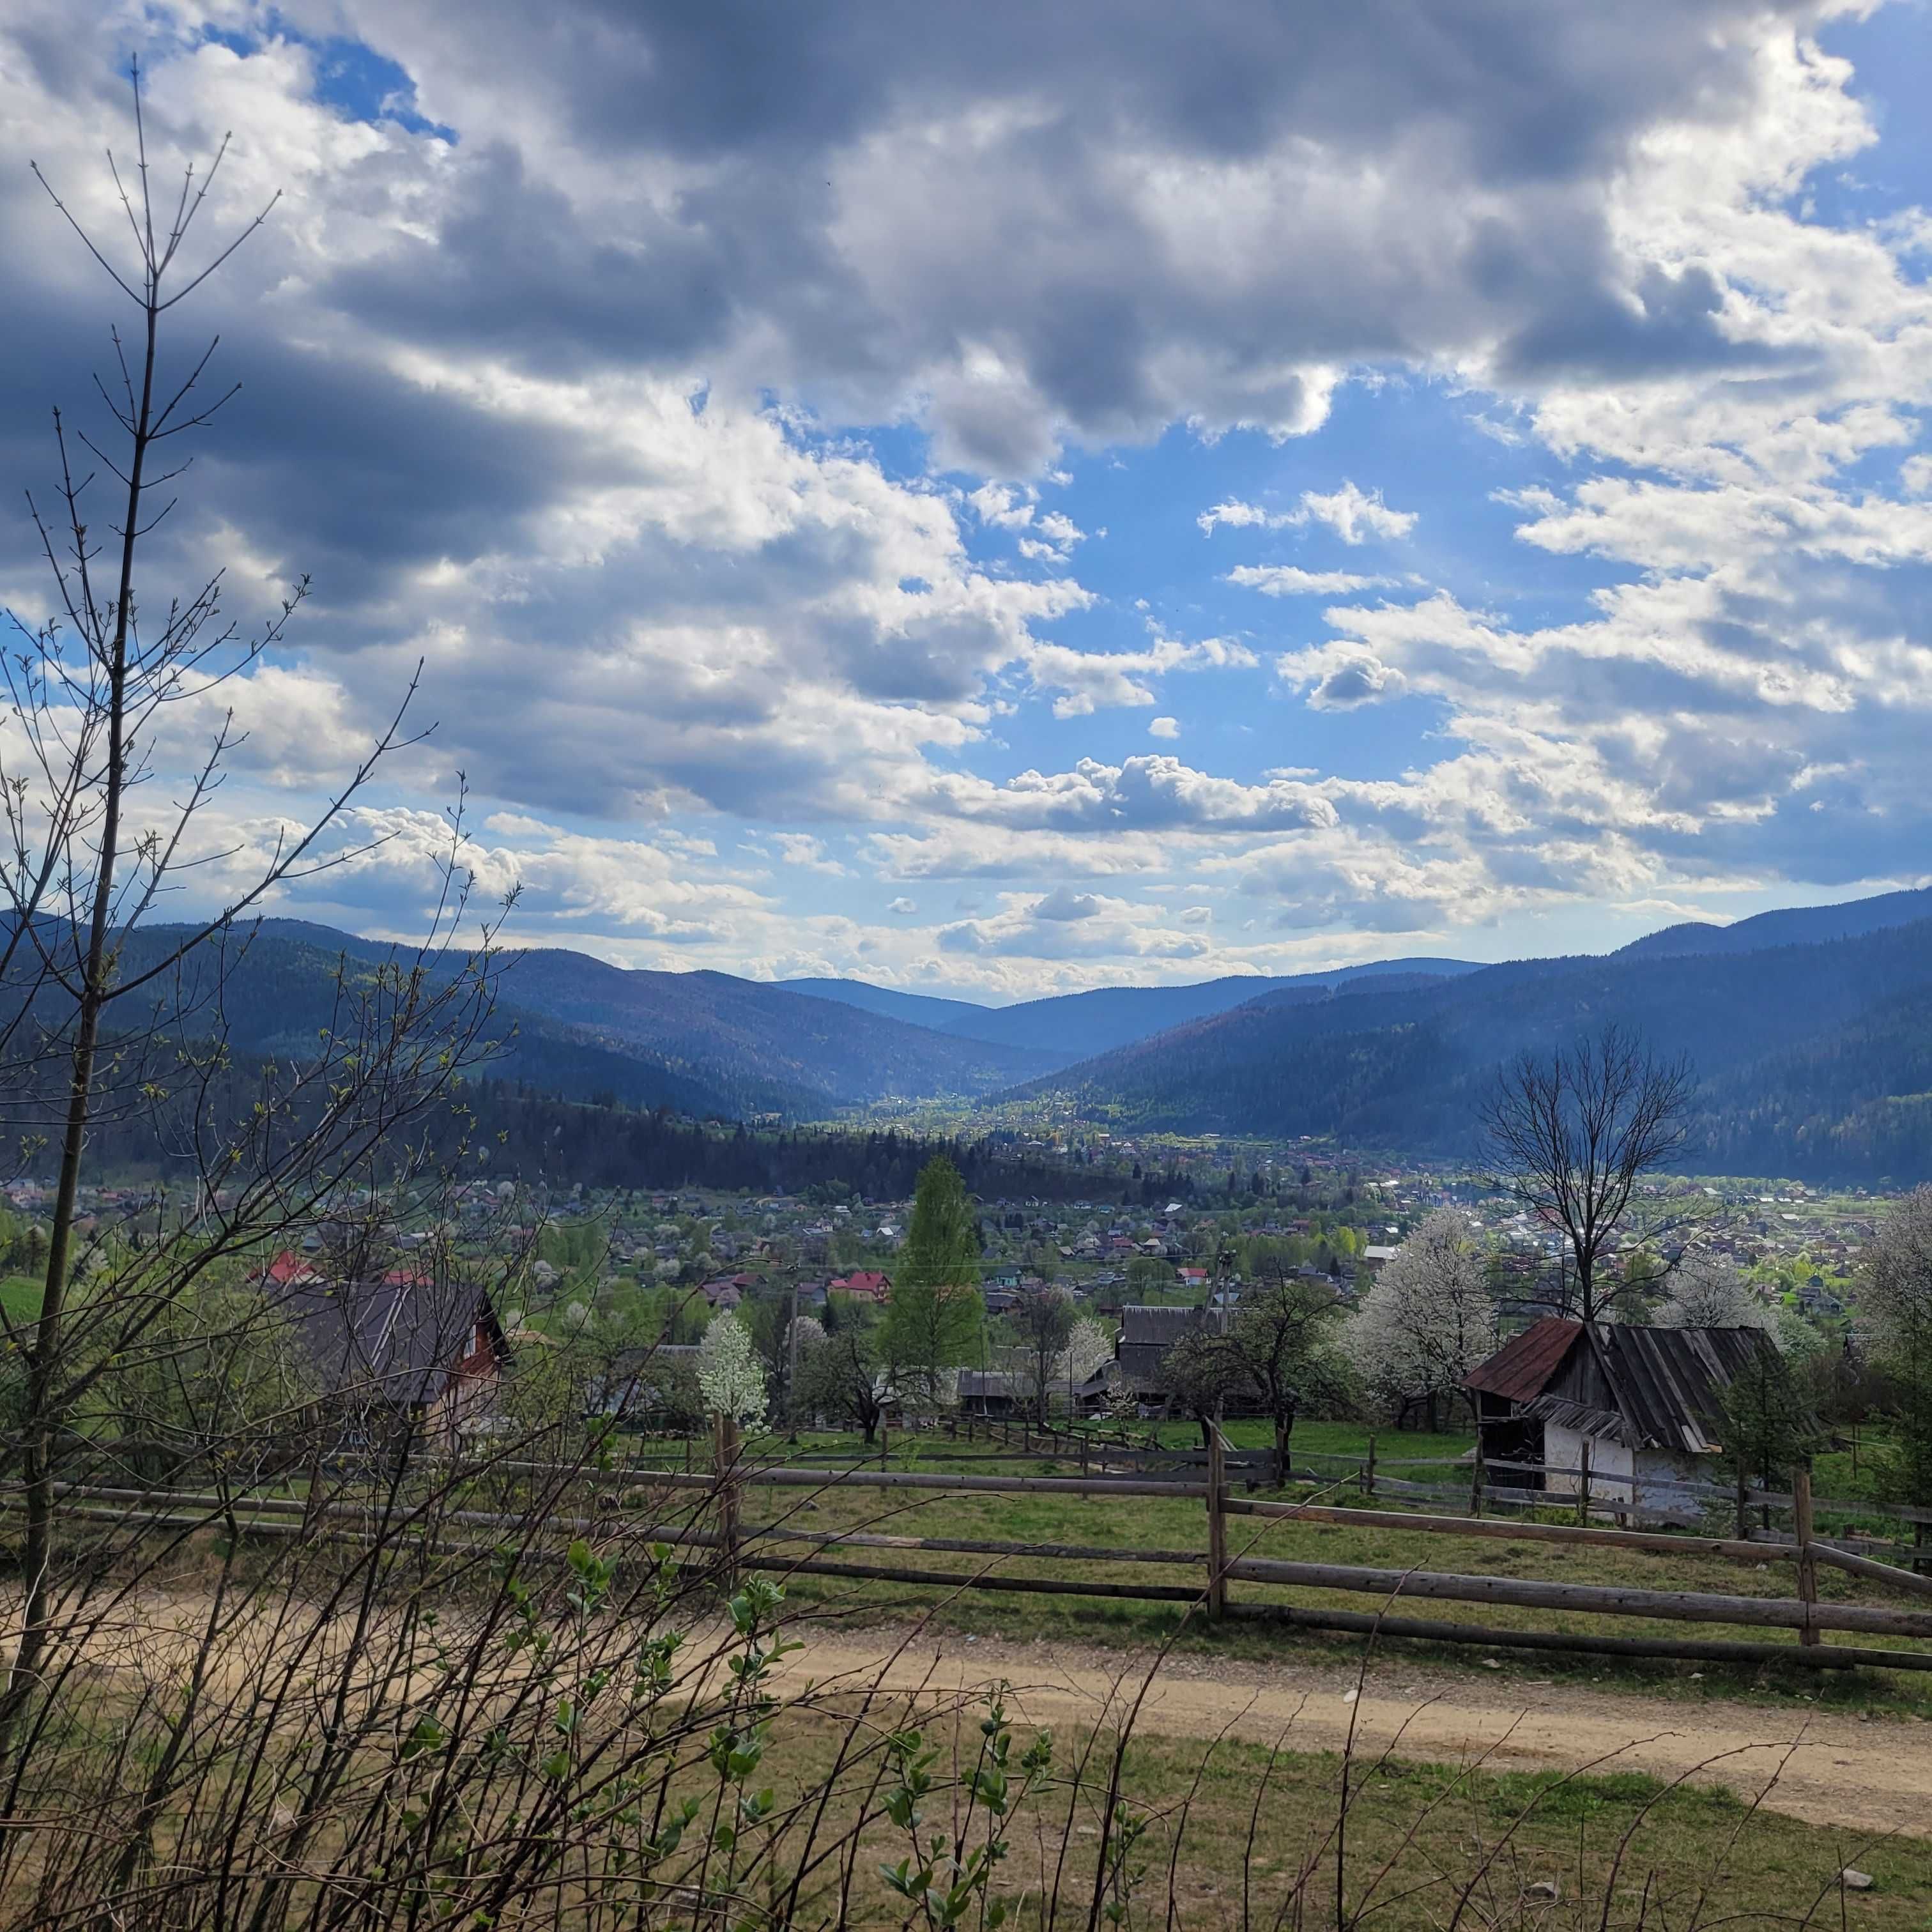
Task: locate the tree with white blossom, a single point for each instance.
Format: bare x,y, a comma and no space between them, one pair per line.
1429,1317
729,1377
1705,1293
1090,1347
1895,1304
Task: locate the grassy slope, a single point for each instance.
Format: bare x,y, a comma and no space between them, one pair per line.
1178,1523
1416,1835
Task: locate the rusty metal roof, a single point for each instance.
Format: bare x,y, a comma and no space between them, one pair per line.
1521,1369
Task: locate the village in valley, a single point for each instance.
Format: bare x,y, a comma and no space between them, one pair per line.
965,968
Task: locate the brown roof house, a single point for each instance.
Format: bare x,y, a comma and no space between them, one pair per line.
1147,1334
1645,1406
401,1352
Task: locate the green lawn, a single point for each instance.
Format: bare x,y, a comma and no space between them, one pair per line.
20,1296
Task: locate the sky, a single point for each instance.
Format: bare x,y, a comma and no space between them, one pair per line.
998,500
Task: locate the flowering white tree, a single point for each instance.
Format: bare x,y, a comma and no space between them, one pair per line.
1090,1347
730,1378
1895,1300
1429,1318
1705,1293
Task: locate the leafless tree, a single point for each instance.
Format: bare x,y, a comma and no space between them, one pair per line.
99,1021
1044,1317
1571,1134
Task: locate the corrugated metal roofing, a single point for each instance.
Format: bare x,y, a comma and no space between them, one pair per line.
1602,1425
1521,1368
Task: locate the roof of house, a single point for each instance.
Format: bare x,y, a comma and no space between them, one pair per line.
401,1339
287,1267
1667,1385
1520,1368
976,1384
1156,1324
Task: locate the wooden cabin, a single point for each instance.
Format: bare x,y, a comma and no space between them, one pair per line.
1642,1407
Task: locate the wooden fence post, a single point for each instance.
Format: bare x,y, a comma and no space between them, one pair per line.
1744,1504
1583,1483
1368,1467
1808,1564
1476,1481
724,1482
1217,1531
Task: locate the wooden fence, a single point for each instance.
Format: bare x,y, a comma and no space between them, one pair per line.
718,1528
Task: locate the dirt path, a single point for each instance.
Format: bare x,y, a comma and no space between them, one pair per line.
1866,1775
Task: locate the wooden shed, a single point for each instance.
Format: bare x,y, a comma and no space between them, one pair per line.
1642,1409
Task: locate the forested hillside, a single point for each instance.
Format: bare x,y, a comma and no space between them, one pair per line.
1813,1060
702,1043
1072,1026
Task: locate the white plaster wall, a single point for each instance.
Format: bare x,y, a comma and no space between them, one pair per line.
1563,1455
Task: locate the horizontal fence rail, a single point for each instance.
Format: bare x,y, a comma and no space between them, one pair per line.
622,1500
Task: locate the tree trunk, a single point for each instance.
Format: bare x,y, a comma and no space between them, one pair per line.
41,1421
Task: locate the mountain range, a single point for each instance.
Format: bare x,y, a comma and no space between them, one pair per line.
1071,1026
1811,1030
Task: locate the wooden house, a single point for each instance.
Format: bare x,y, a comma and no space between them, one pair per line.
401,1351
1147,1333
1642,1409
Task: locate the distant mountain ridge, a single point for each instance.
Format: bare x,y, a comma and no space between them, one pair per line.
1795,926
1071,1026
1814,1060
1812,1029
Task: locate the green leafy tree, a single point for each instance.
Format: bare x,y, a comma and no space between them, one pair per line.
933,1322
1044,1317
1769,1431
1283,1339
839,1377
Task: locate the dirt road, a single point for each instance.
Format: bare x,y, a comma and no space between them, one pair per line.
1869,1775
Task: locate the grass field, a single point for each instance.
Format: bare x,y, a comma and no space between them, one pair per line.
1179,1523
1241,1829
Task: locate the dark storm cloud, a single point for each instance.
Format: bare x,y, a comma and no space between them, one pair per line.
866,191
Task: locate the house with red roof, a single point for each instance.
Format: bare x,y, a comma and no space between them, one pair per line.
288,1270
863,1285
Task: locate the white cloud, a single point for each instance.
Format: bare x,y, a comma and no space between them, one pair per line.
1088,681
801,849
1163,727
1237,515
1355,515
1282,580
